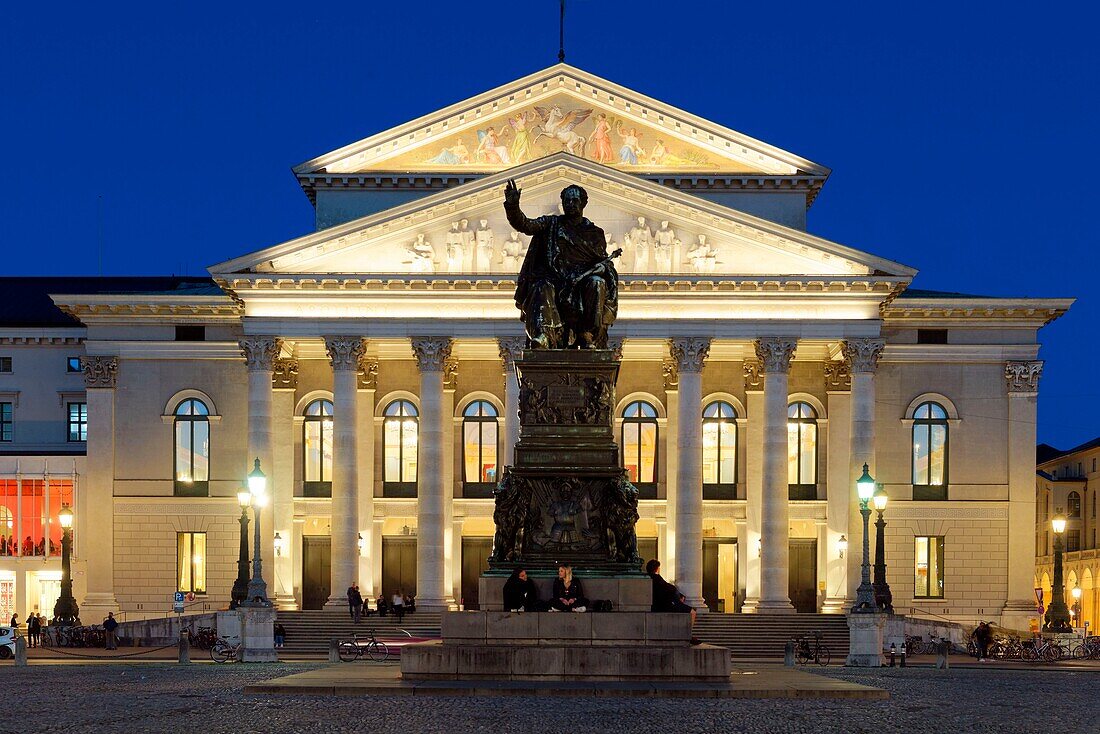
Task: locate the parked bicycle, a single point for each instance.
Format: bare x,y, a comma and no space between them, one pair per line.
917,645
1039,649
809,648
361,645
204,639
223,651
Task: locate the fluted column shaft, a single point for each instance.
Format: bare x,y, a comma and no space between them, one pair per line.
345,353
862,356
775,357
431,592
689,355
511,348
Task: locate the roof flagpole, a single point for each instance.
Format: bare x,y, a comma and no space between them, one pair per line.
561,34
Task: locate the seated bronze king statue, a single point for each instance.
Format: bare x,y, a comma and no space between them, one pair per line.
567,290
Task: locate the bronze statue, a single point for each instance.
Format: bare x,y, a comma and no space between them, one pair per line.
568,288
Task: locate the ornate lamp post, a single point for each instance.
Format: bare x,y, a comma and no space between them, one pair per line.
1057,617
257,589
65,612
884,599
240,585
1076,594
865,594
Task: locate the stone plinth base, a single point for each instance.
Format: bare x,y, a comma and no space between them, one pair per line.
865,638
626,593
566,628
258,635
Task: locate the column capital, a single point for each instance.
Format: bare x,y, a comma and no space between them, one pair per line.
284,374
511,349
260,352
344,352
1023,377
99,371
368,374
775,353
689,352
862,354
432,352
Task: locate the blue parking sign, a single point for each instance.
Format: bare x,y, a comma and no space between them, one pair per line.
179,597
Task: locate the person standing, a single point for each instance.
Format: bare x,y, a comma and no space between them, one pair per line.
280,635
15,620
351,602
398,605
34,630
110,624
983,637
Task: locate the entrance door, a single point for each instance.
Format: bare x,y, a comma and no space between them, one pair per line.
316,570
720,574
803,575
475,560
49,590
398,566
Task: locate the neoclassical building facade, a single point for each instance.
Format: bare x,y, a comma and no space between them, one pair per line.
368,365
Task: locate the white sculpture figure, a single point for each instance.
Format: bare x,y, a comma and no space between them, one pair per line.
485,247
702,256
456,251
511,253
639,243
423,256
665,242
467,238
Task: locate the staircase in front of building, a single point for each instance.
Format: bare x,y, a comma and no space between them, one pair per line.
748,636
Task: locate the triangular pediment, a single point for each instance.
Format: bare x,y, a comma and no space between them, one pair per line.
463,231
562,109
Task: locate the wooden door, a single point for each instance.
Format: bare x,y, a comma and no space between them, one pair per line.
802,585
475,561
316,570
720,574
398,566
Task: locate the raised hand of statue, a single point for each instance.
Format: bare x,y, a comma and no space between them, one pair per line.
511,192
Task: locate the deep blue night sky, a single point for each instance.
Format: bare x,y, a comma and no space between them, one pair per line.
962,140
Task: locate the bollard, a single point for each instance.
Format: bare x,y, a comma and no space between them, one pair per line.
943,648
893,653
184,648
21,651
333,650
903,651
788,654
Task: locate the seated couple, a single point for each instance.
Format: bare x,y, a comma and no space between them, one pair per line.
521,594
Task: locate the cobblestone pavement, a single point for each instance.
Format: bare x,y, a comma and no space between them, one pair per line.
205,698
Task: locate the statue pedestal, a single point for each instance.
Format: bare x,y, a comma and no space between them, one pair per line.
865,638
626,593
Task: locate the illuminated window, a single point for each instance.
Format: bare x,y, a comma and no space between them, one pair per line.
930,445
72,364
400,435
1073,504
5,422
639,445
317,449
479,443
719,450
929,567
191,562
192,448
802,451
78,421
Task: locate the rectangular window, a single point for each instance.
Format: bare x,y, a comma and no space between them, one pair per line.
1073,540
5,364
191,562
5,422
931,336
1093,538
1094,464
78,421
929,567
1094,503
72,364
190,333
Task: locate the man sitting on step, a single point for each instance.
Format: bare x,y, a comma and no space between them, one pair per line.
666,597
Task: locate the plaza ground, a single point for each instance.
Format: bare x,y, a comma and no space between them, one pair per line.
153,696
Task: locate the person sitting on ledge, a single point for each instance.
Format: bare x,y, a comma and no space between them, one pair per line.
568,596
520,593
666,597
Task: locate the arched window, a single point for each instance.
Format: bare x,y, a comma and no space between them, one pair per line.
317,449
639,446
400,436
192,448
930,445
719,451
479,448
1073,504
802,451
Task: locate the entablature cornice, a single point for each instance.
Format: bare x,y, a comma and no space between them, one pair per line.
42,337
974,353
149,349
114,307
1004,312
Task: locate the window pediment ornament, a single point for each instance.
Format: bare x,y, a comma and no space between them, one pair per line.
689,353
344,352
432,352
838,376
260,352
862,354
284,374
99,371
368,374
775,353
1023,377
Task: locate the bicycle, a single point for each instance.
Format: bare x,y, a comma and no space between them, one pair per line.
223,651
917,645
204,639
807,650
361,645
1044,650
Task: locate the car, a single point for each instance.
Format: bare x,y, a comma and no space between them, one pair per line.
7,642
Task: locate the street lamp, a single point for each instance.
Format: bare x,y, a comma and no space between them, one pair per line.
865,594
240,585
1076,593
1057,617
884,600
65,612
257,589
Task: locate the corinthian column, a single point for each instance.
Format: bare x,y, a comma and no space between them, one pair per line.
511,349
862,358
95,511
345,353
431,353
260,353
775,355
1022,380
689,354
